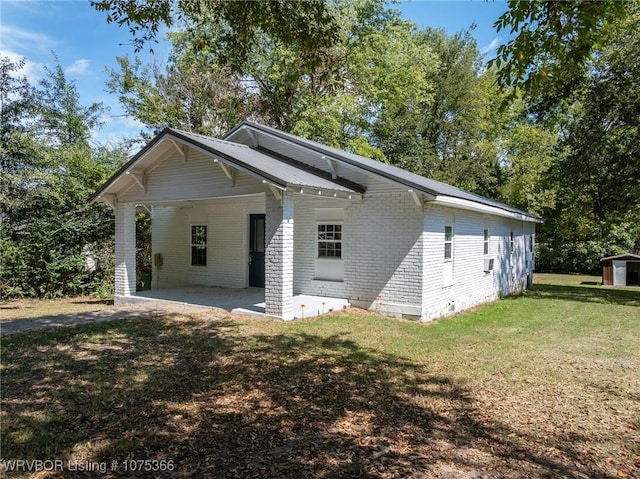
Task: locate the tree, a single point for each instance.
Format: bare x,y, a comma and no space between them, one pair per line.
48,171
597,170
187,94
391,92
552,37
308,27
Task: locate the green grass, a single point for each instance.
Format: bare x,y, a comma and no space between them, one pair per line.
541,385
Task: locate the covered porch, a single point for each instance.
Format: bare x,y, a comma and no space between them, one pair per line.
247,301
222,218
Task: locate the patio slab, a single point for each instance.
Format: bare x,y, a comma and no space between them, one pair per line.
248,301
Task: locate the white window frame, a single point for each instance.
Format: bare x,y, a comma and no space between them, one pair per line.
333,224
486,238
330,268
449,242
447,265
196,245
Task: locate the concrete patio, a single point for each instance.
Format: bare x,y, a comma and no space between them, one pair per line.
248,301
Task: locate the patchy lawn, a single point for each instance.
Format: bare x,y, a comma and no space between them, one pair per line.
542,385
36,308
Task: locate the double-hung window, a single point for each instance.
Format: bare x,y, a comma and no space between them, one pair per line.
198,245
448,243
486,242
329,240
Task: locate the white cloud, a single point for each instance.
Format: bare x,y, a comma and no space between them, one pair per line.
19,39
32,70
492,46
79,67
131,122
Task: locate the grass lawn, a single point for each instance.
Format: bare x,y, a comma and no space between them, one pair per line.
35,308
546,384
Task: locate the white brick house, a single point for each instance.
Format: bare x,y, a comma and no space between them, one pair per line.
268,209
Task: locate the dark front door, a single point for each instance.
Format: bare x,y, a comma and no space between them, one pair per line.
256,250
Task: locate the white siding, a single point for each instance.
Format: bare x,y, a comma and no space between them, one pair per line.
471,285
227,222
173,179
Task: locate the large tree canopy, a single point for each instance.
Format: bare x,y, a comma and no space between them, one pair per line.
308,27
49,169
416,98
551,125
551,37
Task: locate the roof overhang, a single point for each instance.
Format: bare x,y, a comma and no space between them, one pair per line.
418,192
481,208
136,169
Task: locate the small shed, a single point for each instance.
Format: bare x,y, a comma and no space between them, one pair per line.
621,270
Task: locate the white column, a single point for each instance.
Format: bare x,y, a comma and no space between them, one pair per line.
278,291
125,282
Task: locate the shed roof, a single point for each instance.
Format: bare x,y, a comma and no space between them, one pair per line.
626,256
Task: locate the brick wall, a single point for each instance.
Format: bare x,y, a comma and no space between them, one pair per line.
125,274
470,284
279,257
383,254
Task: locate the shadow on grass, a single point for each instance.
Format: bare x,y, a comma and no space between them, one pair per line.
587,294
108,302
220,403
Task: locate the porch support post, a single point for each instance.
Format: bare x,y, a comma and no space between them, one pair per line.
125,283
278,291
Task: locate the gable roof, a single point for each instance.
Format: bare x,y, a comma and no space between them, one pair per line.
261,166
283,171
398,175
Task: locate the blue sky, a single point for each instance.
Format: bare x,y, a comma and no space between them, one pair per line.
86,45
